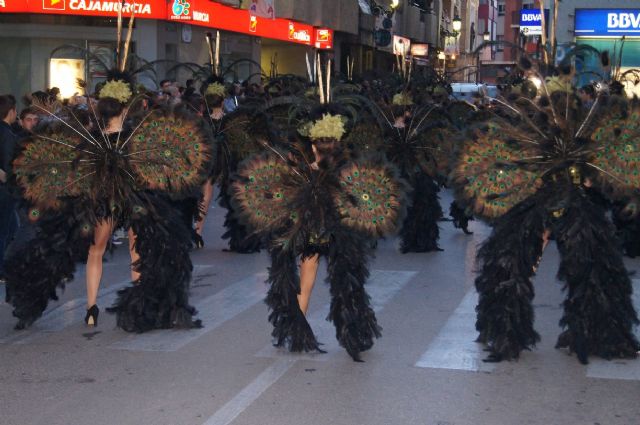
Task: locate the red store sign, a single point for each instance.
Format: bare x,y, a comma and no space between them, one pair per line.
150,9
324,38
215,15
204,13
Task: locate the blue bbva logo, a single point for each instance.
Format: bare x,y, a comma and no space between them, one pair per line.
180,7
623,20
531,17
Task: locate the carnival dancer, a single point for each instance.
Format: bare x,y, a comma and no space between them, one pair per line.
82,185
313,203
540,167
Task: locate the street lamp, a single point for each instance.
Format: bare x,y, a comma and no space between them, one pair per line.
486,36
442,56
456,24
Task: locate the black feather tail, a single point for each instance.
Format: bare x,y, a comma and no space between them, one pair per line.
290,327
420,230
508,260
37,266
350,312
598,313
160,297
460,217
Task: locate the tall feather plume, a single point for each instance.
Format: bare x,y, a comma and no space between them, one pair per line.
123,64
208,37
119,34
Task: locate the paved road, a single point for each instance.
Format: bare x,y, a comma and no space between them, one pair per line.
426,369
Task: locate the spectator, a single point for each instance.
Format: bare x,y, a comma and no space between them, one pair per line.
8,141
28,121
231,101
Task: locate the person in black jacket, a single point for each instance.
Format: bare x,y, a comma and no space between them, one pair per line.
8,141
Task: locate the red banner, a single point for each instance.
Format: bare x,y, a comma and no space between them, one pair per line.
148,9
218,16
197,12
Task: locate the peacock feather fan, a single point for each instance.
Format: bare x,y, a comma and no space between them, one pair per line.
618,152
365,137
262,192
372,199
243,130
49,169
490,173
169,153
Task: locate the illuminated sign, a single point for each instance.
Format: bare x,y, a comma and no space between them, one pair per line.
180,10
198,12
324,38
302,35
607,22
401,45
419,49
531,21
110,6
151,9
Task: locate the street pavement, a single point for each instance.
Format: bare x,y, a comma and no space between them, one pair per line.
426,369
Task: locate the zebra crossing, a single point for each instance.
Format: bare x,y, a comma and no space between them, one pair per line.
382,286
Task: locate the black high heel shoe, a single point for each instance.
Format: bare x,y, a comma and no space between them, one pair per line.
91,319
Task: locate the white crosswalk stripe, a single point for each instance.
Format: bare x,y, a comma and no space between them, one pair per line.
454,346
62,316
382,286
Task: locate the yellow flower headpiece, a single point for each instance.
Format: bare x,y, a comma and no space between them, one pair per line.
402,99
215,89
558,84
328,127
117,89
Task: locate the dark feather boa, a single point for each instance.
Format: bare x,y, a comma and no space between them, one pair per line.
40,265
507,262
290,327
460,217
350,312
420,230
159,299
598,313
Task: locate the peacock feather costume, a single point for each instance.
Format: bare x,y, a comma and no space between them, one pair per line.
75,178
548,163
335,208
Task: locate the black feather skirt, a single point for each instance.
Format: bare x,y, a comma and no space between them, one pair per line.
159,299
599,316
40,262
507,262
420,231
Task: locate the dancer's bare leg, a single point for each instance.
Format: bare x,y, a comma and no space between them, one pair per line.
135,275
545,238
308,272
207,196
101,236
